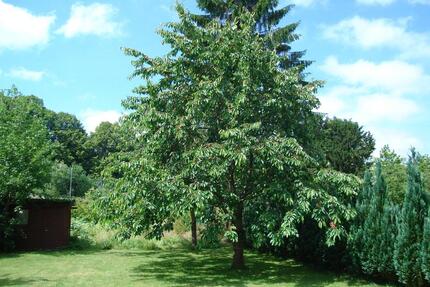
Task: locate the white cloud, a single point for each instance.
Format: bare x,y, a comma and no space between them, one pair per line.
377,95
94,19
367,108
383,107
25,74
380,33
398,140
92,118
375,2
374,112
20,29
395,76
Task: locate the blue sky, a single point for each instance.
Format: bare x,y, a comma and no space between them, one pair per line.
373,54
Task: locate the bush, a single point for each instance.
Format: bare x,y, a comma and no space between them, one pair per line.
85,235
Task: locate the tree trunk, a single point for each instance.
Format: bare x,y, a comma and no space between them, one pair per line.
238,247
193,228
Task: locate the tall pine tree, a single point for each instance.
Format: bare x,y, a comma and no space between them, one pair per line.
374,231
372,225
267,16
356,235
407,253
425,249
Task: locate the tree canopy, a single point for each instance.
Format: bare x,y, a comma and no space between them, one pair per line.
25,153
217,121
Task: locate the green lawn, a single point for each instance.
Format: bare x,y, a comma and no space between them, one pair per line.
158,268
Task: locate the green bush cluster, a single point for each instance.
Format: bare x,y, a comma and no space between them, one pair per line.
86,235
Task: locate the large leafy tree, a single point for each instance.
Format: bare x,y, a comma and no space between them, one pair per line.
216,119
25,153
69,138
395,173
268,15
105,140
346,146
65,130
407,254
68,181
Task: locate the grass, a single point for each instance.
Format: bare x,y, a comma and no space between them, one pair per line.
180,267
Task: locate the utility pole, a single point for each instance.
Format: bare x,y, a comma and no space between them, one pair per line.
71,178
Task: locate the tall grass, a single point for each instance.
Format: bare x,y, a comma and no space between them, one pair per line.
86,235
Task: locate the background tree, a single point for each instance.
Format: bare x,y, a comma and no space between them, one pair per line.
346,146
105,140
59,184
25,153
267,16
356,238
222,105
395,173
424,167
65,130
373,234
69,138
407,257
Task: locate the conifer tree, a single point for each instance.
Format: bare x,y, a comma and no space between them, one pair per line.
387,239
407,253
356,236
267,15
425,249
372,225
373,233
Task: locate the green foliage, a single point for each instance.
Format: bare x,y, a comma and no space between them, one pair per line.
25,153
424,167
407,257
394,171
373,234
86,235
425,249
346,146
69,137
66,133
105,140
267,16
59,185
217,124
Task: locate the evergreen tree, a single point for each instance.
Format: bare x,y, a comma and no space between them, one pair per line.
346,146
372,228
387,239
267,16
374,231
425,249
356,235
407,259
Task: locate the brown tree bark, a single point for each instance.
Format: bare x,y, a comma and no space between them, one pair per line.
193,228
239,245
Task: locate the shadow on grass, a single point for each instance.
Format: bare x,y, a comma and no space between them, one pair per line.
5,280
212,268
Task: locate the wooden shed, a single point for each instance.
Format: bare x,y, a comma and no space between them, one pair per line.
44,224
